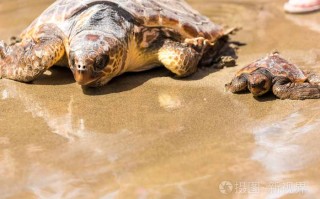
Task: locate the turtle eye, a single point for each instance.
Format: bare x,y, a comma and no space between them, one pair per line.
101,62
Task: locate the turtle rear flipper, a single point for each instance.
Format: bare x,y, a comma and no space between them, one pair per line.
284,89
27,60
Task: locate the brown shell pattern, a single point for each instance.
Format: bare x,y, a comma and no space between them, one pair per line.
278,66
173,14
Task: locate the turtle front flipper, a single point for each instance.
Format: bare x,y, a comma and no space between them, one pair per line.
285,89
238,84
28,59
179,58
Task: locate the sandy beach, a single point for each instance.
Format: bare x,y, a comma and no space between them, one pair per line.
149,135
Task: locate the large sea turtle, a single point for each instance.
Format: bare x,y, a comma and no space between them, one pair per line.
101,39
274,73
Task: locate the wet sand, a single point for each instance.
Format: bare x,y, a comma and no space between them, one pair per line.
148,135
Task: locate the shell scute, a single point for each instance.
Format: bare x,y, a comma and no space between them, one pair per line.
277,66
174,14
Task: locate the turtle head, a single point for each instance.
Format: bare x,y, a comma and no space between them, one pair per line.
259,82
94,59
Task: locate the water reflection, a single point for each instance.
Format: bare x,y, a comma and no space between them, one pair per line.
151,136
169,102
89,163
289,146
62,125
279,148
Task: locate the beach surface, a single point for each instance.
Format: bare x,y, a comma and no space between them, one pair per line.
149,135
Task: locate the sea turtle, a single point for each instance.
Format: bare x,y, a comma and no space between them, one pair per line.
275,73
101,39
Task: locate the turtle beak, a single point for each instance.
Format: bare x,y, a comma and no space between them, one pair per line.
83,75
256,90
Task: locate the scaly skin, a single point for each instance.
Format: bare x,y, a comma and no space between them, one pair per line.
275,74
180,59
104,39
27,60
284,89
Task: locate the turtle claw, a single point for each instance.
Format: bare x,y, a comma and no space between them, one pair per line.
198,43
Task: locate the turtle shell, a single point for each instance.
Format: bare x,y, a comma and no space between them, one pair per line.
277,66
173,14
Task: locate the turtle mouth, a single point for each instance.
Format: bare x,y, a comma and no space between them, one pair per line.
85,77
89,83
257,90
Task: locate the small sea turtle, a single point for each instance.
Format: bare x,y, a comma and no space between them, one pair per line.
101,39
275,73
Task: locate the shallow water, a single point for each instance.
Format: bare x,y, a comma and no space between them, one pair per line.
148,135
